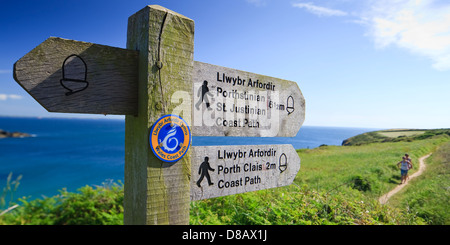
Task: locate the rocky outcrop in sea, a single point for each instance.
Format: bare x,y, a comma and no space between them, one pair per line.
5,134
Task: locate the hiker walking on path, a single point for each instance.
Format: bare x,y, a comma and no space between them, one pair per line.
384,199
404,165
408,159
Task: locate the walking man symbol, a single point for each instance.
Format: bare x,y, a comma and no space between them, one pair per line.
203,93
203,171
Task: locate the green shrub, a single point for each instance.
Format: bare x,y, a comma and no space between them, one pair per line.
102,205
293,205
360,183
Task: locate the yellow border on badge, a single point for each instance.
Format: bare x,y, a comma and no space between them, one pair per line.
156,128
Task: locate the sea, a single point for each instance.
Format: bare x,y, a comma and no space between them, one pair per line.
72,153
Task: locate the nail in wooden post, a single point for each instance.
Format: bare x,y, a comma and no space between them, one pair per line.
157,192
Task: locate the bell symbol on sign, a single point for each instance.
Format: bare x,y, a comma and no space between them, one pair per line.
290,105
282,163
74,72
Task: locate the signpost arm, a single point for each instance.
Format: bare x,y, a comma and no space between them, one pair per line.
157,192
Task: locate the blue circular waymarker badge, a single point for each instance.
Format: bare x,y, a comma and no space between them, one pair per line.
170,138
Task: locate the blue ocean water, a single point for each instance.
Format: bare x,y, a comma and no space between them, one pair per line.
71,153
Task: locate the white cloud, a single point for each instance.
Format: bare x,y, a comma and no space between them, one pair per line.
10,96
419,26
5,71
318,10
15,96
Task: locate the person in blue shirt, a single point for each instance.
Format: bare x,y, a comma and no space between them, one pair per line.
404,165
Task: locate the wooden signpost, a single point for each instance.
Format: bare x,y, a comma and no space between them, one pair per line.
160,88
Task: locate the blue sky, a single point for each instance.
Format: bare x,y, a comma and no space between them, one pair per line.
359,63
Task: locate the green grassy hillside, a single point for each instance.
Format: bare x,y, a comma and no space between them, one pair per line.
394,135
335,185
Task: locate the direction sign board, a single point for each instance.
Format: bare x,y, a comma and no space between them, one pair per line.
229,102
79,77
226,170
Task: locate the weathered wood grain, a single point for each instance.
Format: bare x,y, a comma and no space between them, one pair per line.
234,169
111,75
240,103
157,192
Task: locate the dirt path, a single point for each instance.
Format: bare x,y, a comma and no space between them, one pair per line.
385,198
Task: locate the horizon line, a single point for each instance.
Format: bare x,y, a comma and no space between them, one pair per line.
122,117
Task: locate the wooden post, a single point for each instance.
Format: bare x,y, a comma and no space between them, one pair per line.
157,192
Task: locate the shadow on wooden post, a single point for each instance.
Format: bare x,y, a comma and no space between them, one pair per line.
157,192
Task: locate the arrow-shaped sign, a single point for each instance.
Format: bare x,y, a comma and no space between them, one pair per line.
229,102
226,170
79,77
